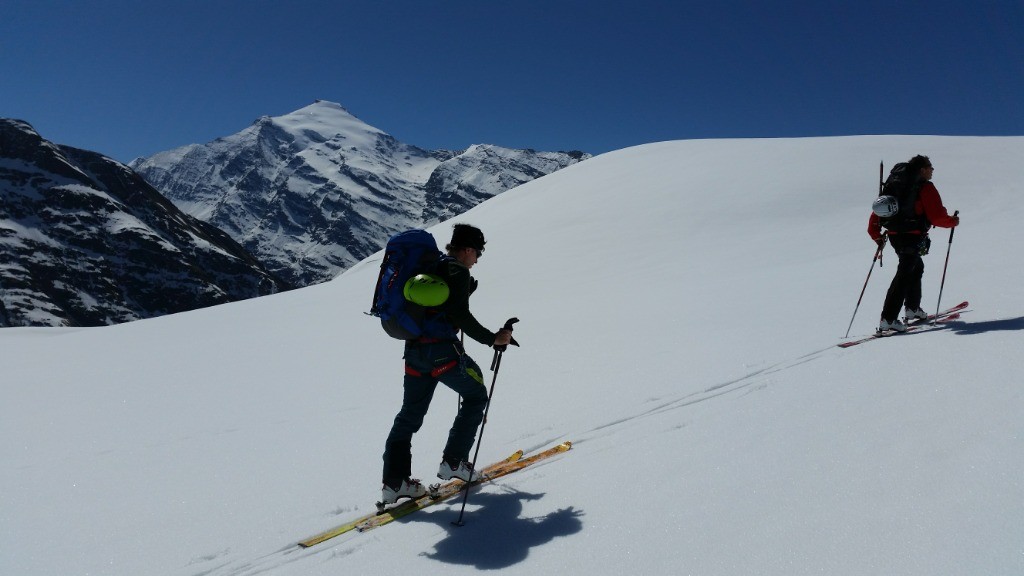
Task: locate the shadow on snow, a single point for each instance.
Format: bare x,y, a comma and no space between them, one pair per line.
969,328
495,535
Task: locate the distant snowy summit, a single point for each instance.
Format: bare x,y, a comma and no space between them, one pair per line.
315,191
85,241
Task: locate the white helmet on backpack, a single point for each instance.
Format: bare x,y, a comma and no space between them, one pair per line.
886,206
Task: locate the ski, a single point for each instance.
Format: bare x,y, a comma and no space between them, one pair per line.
923,325
448,490
947,315
353,524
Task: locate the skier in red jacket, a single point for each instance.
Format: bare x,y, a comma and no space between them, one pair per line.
910,242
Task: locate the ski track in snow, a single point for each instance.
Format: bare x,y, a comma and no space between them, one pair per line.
756,379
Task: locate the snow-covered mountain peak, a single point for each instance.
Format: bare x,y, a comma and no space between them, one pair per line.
314,191
323,121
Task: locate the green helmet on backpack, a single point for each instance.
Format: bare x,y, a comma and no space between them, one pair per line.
426,290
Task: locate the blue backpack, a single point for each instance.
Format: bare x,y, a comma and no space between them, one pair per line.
406,255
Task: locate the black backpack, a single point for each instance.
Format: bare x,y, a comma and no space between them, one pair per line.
905,186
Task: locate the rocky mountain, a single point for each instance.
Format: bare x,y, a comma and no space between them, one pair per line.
85,241
313,192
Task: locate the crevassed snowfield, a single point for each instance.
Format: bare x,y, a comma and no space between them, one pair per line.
680,304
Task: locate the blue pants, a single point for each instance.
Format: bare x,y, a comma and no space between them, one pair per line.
425,366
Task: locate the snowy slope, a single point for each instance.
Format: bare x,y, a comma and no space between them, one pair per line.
684,339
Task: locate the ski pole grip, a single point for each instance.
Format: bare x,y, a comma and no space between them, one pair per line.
508,326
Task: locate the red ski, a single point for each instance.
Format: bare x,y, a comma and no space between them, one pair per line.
947,315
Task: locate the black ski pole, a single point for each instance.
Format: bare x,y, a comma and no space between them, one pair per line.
944,266
878,257
495,365
878,253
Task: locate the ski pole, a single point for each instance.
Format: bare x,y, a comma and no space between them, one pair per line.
878,256
495,366
944,266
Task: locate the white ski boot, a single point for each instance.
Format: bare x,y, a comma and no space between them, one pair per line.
895,326
918,314
463,471
409,488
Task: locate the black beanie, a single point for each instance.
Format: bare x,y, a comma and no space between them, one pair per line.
466,236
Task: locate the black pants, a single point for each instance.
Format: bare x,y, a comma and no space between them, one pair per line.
905,289
425,366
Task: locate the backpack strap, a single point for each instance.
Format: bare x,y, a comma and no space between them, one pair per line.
374,307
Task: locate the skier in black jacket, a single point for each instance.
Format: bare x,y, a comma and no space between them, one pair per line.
432,360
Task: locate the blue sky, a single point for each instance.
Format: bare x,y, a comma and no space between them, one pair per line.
131,79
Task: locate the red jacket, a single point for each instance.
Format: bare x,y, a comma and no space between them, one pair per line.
928,203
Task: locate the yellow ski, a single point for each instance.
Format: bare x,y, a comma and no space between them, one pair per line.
451,489
453,484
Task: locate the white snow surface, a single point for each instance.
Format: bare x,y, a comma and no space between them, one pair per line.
680,306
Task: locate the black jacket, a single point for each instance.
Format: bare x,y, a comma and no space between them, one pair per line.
456,308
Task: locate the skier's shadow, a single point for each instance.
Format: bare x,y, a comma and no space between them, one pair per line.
968,328
494,535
